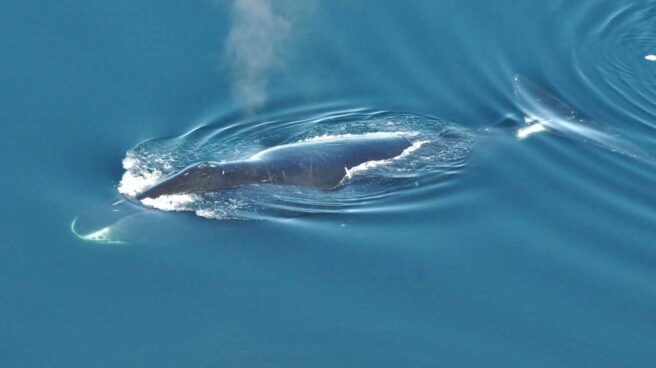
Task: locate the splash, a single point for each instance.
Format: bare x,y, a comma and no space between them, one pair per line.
136,178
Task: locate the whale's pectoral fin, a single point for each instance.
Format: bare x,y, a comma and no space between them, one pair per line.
99,224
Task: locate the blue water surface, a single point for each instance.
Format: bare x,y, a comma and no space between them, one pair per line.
489,248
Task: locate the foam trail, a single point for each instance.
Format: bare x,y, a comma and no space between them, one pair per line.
545,112
254,49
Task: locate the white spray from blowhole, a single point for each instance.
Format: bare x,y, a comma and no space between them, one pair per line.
255,49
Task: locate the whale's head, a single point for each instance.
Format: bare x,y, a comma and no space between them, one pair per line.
199,178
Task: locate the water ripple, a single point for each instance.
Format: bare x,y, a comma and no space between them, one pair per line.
619,55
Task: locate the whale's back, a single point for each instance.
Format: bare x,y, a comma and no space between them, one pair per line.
324,163
320,163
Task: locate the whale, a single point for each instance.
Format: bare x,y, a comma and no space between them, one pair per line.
320,163
324,162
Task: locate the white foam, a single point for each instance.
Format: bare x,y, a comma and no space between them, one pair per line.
377,163
415,146
134,180
130,162
131,184
217,214
328,137
210,214
530,130
226,211
173,202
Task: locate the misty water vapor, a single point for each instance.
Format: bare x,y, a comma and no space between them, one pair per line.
254,49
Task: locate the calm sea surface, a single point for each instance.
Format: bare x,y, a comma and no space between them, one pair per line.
489,245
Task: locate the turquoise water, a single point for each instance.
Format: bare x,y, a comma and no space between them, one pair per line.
490,245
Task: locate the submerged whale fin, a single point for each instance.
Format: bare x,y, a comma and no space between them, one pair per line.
99,224
545,112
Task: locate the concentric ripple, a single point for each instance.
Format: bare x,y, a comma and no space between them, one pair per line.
438,151
620,52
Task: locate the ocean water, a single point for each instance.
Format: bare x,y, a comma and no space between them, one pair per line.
519,232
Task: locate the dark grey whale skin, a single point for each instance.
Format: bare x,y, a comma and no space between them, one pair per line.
320,164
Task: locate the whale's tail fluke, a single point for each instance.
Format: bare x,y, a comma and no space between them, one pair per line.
544,112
